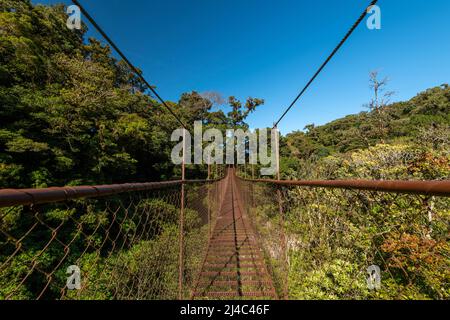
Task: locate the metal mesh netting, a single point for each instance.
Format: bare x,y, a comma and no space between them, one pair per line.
317,242
126,246
327,238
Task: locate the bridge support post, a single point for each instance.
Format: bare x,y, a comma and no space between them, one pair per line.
217,186
284,256
245,170
181,227
209,202
252,192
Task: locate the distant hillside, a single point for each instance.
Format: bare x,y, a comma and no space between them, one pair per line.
429,110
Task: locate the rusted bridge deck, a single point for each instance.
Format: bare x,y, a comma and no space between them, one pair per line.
234,266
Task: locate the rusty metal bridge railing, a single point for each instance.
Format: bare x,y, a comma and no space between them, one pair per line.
343,227
167,240
132,241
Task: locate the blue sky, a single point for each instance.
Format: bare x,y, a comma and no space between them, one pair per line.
270,49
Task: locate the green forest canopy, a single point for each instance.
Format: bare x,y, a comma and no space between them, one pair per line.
73,114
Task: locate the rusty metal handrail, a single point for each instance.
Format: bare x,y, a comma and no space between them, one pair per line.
23,197
15,197
430,188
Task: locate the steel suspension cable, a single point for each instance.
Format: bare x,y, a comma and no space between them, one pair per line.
127,61
349,33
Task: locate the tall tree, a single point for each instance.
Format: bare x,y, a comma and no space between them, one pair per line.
378,103
240,112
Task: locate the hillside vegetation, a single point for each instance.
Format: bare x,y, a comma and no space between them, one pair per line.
415,135
334,235
71,113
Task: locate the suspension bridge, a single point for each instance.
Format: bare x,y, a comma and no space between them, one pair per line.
234,265
198,239
223,238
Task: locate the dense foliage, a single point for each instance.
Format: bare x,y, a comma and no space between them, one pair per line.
334,235
422,122
70,113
